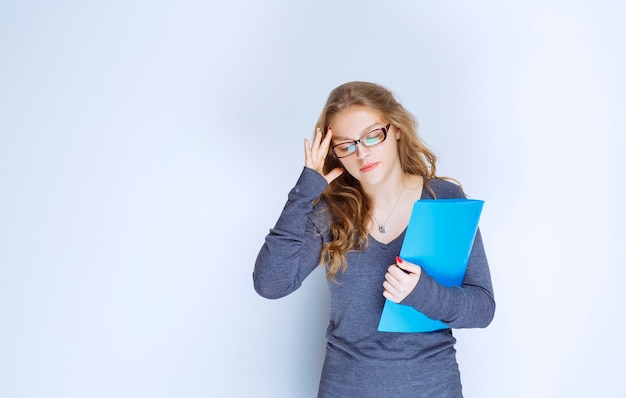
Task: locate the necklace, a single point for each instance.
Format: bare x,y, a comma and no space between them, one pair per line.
381,227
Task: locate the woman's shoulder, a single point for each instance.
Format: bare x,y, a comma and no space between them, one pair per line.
445,189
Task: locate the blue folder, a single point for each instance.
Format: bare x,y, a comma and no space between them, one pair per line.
439,238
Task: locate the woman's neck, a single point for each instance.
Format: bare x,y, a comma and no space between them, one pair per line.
392,204
387,191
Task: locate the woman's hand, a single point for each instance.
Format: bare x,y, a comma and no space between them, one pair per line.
400,280
315,155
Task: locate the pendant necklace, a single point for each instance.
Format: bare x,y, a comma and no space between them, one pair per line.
381,227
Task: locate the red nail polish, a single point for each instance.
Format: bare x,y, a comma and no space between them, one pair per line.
398,260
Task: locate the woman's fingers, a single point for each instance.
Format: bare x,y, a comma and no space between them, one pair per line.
400,282
327,140
407,266
320,147
315,155
333,174
308,156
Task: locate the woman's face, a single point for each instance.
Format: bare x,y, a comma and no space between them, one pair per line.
370,165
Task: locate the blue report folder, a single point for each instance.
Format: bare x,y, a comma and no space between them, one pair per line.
439,238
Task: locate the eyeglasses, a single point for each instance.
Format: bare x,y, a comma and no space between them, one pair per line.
368,139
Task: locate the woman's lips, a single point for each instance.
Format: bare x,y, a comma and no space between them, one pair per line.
368,167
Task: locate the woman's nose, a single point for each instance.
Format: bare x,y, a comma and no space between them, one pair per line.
362,151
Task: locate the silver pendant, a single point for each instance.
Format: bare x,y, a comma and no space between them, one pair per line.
382,229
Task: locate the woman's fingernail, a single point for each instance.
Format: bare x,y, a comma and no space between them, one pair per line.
398,260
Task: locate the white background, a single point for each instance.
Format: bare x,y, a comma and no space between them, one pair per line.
146,148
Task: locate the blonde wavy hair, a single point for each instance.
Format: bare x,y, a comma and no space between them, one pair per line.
349,208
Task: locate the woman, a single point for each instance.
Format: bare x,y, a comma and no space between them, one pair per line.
348,211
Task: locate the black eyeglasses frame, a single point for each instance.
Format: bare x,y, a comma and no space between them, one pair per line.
385,130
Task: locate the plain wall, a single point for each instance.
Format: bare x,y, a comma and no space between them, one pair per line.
146,148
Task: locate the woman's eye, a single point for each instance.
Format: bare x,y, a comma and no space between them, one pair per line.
371,140
348,148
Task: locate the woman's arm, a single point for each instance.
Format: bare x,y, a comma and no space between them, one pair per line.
469,306
292,248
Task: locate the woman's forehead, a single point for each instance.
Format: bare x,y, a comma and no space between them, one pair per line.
354,121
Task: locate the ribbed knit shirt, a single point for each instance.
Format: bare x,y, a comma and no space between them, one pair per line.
360,360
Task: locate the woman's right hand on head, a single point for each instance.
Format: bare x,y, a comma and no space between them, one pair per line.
315,155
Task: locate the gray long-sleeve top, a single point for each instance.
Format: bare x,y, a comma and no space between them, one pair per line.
292,251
